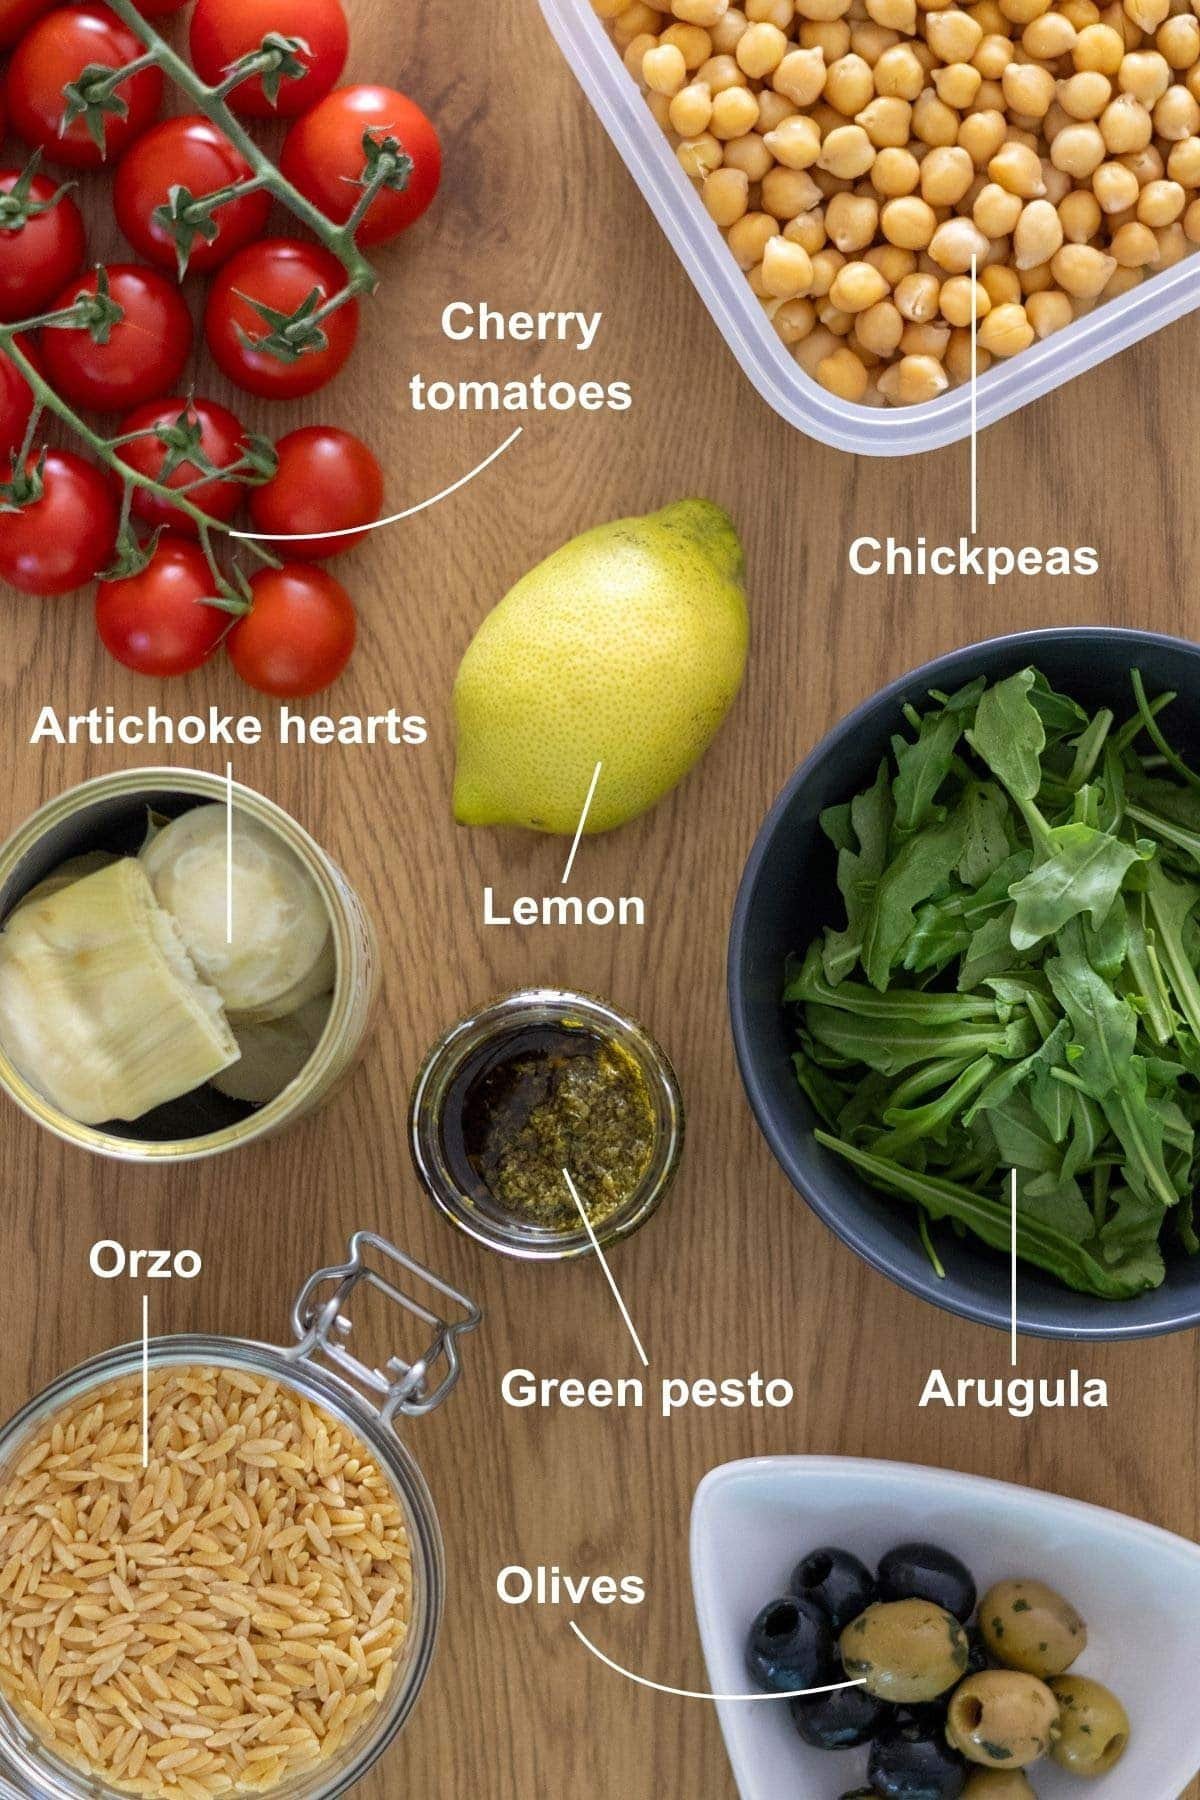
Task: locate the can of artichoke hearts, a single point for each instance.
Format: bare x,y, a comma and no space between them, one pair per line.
314,1038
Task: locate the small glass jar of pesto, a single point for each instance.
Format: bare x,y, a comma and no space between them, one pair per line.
537,1106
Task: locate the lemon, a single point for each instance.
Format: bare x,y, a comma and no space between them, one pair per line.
626,647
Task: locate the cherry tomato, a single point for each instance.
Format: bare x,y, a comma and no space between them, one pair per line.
56,52
298,635
191,153
222,439
281,273
145,352
323,156
223,31
40,254
16,403
157,622
64,538
158,9
327,481
16,16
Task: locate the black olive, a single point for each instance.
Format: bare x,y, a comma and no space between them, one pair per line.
910,1764
979,1659
791,1646
840,1585
925,1572
928,1719
840,1720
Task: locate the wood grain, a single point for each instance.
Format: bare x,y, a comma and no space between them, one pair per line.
735,1274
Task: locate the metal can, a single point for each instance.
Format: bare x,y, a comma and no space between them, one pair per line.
368,1402
110,813
488,1222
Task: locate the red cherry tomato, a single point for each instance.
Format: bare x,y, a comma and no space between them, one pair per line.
327,481
55,52
323,156
191,153
222,439
16,403
157,622
145,352
223,31
298,635
40,254
64,538
281,273
16,16
158,9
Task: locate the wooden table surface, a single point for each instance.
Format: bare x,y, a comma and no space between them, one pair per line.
735,1274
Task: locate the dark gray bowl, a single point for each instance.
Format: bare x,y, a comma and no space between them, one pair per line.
789,892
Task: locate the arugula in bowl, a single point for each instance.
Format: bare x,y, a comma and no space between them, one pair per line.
1015,986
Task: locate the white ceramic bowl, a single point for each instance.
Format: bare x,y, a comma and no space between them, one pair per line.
1137,1587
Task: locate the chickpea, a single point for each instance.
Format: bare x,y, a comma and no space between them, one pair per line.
962,299
750,155
849,85
727,30
880,328
913,380
982,136
1038,235
786,193
748,237
1085,95
699,156
1028,89
699,12
1146,76
932,339
1125,125
734,113
760,50
787,270
908,223
1002,284
952,35
826,264
1173,244
1191,222
726,196
1161,203
795,142
1049,37
957,85
900,73
808,228
895,15
1177,115
1018,169
813,348
1115,187
664,70
720,73
1147,15
844,374
895,173
946,174
996,211
852,221
773,109
691,110
1081,13
770,12
917,297
934,123
887,121
1081,270
1049,311
869,40
847,152
1178,41
1134,246
800,77
694,44
856,286
637,20
1098,47
794,319
1146,164
831,37
635,52
957,244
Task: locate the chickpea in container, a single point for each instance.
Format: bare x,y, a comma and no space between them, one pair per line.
917,187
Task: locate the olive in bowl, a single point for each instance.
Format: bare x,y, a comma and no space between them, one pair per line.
791,1647
905,1651
840,1720
927,1572
1003,1718
837,1582
909,1763
1093,1726
1026,1625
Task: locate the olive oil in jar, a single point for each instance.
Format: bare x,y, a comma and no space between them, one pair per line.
544,1098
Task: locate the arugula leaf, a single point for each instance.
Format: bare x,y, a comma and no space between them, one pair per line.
1082,873
1009,735
920,869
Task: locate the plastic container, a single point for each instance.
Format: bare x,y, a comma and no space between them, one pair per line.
865,430
369,1403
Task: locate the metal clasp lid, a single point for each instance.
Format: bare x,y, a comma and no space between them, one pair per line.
412,1388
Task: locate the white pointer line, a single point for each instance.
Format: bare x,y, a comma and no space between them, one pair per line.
229,853
583,819
697,1694
1014,1268
291,537
974,399
637,1342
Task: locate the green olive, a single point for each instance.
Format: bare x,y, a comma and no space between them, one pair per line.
1002,1719
1027,1626
998,1784
1093,1724
907,1651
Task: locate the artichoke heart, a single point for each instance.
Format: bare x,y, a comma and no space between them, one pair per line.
274,1051
282,938
72,870
101,1009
